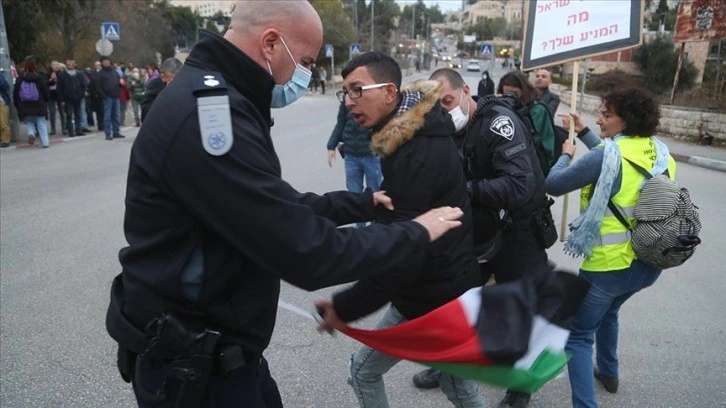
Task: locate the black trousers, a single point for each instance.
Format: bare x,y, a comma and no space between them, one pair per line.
519,254
249,386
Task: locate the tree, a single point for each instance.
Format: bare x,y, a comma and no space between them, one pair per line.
69,21
657,61
338,27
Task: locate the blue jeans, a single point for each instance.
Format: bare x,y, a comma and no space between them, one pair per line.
367,367
52,106
111,115
84,115
357,167
597,321
37,126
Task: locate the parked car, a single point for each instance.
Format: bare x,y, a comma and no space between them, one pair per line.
455,63
473,65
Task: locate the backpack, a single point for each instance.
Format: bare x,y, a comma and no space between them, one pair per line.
666,222
560,135
29,92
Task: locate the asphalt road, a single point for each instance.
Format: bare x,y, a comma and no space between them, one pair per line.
61,228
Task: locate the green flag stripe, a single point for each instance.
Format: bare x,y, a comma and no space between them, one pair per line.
547,366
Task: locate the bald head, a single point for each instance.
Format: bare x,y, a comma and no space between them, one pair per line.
267,30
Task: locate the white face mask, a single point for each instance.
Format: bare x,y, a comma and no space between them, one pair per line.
283,95
458,116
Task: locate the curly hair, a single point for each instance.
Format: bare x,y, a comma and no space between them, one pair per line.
637,108
516,79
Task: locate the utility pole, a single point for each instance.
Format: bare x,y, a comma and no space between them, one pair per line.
413,23
373,25
7,72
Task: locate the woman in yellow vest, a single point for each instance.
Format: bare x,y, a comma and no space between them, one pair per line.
628,119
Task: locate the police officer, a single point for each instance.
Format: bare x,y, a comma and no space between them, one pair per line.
212,228
503,174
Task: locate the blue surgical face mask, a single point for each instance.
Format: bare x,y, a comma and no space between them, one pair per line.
283,95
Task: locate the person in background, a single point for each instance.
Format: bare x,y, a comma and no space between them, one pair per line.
136,88
524,97
486,85
124,99
108,86
360,162
72,90
169,69
314,78
56,102
32,111
95,96
542,81
323,75
4,111
628,120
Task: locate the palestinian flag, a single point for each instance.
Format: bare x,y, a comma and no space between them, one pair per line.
510,335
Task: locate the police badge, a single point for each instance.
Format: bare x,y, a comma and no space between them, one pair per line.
503,126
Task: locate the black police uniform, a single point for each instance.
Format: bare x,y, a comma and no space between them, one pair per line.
505,174
210,236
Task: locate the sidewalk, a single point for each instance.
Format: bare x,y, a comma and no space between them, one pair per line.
709,157
59,137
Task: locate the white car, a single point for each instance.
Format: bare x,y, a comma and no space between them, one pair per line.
473,65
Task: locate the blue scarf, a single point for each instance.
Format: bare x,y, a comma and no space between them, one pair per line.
585,229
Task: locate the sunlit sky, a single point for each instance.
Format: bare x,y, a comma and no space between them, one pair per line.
444,5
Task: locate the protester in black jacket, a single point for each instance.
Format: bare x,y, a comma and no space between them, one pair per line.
72,89
212,227
421,169
108,87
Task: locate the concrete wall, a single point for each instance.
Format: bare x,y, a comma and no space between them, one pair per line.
676,121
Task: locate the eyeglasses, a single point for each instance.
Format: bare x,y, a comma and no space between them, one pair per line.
357,92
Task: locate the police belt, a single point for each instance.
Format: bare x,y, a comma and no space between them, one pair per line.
177,338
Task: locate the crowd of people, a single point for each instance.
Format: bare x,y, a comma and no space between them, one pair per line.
72,101
456,198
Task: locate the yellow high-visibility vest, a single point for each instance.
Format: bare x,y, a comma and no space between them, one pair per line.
614,250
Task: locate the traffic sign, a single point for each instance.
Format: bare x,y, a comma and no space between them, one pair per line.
111,31
329,50
485,50
355,49
104,47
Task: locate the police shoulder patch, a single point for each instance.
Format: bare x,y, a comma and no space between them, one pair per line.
503,126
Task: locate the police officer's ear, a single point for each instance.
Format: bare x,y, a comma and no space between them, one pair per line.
270,42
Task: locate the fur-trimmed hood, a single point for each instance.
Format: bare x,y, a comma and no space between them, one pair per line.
403,126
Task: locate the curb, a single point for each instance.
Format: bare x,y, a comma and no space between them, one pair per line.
713,164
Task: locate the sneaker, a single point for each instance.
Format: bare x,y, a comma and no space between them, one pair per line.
610,383
108,137
515,399
427,379
31,140
118,136
3,145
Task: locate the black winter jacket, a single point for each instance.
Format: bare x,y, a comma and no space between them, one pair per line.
210,236
421,170
503,167
71,88
39,108
107,83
